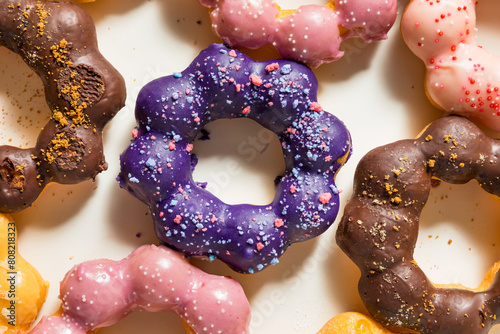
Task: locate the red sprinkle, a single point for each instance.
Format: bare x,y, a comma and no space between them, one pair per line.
325,198
256,80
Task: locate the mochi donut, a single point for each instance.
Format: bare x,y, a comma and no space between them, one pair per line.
58,41
223,83
99,293
461,76
22,288
311,34
379,229
353,323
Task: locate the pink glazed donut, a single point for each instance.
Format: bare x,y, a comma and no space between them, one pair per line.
462,77
99,293
311,34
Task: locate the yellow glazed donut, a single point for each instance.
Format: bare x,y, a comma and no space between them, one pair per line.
462,77
22,288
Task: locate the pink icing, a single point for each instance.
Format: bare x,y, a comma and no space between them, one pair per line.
312,34
462,77
99,293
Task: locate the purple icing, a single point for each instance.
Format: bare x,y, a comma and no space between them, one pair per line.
223,83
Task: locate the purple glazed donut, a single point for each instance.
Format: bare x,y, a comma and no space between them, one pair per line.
223,83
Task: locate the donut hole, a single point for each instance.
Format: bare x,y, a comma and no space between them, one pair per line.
22,102
238,161
459,234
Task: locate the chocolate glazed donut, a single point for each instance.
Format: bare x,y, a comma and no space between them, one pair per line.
379,228
58,41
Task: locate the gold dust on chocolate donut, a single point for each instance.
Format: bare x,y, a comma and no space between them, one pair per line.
65,150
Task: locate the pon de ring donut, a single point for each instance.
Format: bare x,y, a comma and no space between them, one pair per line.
462,77
379,229
83,91
311,34
224,83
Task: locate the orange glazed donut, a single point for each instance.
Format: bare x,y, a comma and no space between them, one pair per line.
58,41
462,77
379,229
311,34
22,288
353,323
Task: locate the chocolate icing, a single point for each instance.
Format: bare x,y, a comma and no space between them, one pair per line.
58,41
224,83
379,228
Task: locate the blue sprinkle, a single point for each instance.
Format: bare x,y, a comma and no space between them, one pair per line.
175,96
250,270
189,99
133,180
334,189
173,202
211,257
260,266
150,162
222,51
177,75
250,241
306,91
177,138
199,226
283,103
295,103
274,261
286,69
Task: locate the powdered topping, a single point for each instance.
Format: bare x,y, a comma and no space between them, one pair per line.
220,85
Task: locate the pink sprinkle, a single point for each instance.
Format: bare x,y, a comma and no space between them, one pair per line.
293,189
315,106
328,158
197,119
278,222
272,67
256,80
177,219
171,145
291,130
187,91
222,69
260,245
246,110
200,217
237,67
161,214
189,147
325,198
135,132
232,53
213,219
238,88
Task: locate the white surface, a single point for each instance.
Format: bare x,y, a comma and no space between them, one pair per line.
377,90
